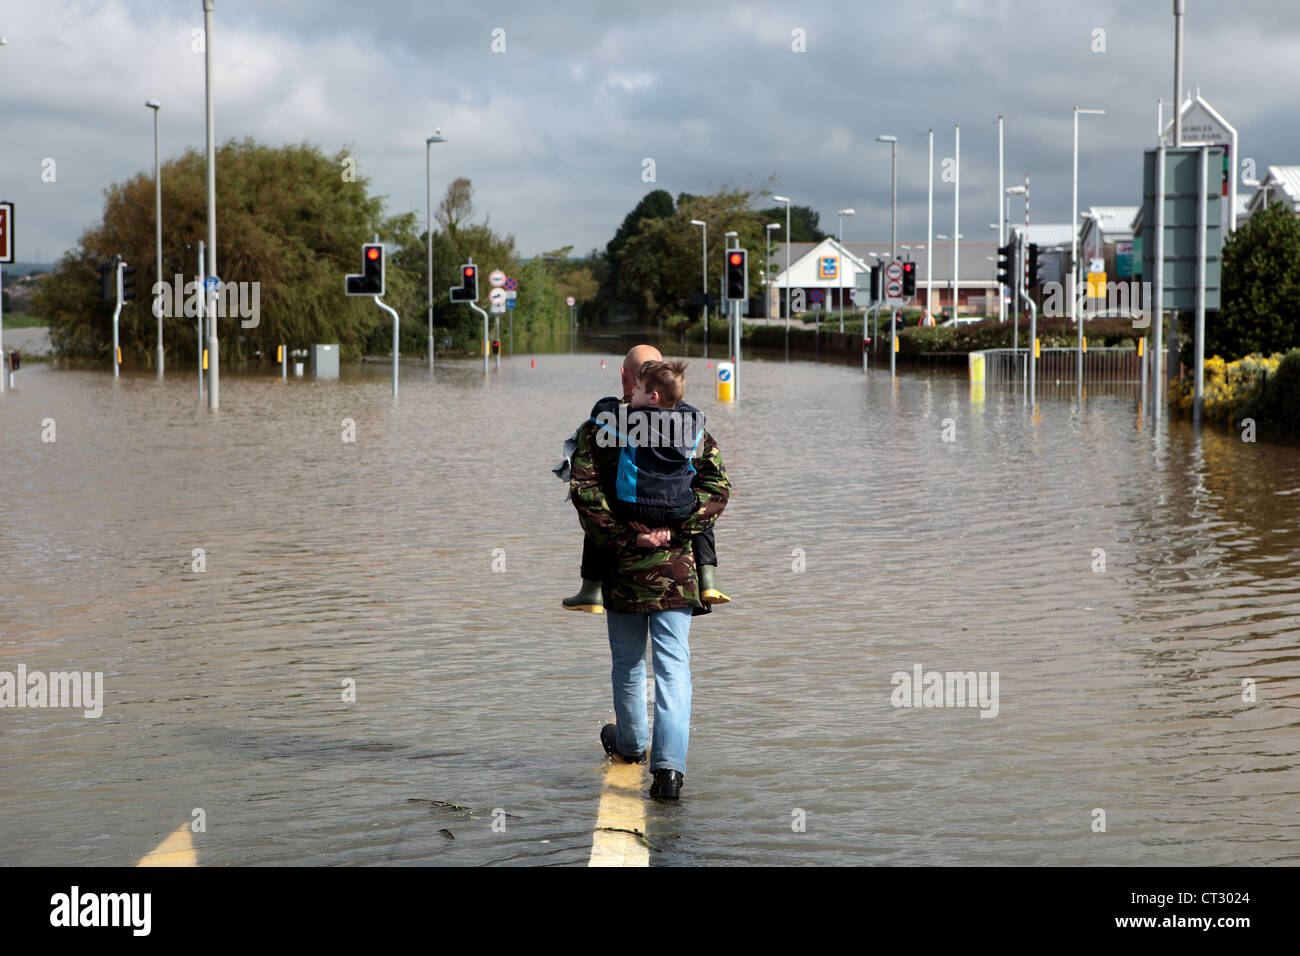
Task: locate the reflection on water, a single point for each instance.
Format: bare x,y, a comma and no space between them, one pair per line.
329,562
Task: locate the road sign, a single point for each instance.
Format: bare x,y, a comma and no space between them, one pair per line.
496,278
211,284
497,296
1096,285
511,283
511,295
894,270
894,288
6,232
816,295
570,301
510,303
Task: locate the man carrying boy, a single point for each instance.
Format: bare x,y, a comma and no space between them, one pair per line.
642,497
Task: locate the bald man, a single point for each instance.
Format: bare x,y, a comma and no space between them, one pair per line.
594,560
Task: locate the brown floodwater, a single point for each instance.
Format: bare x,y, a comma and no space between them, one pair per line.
426,560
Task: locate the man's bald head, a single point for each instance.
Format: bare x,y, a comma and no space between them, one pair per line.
637,356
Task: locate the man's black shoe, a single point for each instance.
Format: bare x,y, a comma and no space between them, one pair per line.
609,740
667,785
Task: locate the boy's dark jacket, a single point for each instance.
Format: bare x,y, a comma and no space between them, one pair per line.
648,579
655,447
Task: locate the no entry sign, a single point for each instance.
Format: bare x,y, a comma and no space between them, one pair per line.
6,232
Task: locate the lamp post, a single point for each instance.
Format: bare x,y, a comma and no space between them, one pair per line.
953,281
428,195
1002,299
704,262
893,193
157,215
786,200
839,273
1015,315
1074,248
767,274
214,358
929,236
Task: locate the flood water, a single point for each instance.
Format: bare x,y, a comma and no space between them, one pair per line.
858,543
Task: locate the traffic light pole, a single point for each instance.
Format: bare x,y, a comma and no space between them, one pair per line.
393,313
1033,341
117,311
497,338
486,347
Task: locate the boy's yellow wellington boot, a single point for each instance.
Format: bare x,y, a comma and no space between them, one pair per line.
709,592
587,599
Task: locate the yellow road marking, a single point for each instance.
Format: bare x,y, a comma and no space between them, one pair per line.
176,850
622,805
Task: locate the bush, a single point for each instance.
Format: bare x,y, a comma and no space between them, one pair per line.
1264,389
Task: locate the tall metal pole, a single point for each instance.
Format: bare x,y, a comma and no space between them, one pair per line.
788,239
893,249
929,238
1199,388
1178,72
1002,225
1074,262
428,198
956,215
839,273
157,215
199,358
214,361
1158,306
704,264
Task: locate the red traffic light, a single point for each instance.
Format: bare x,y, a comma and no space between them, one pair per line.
372,253
735,258
908,266
469,272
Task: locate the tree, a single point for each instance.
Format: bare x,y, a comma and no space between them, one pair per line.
1260,294
456,206
287,222
661,262
804,223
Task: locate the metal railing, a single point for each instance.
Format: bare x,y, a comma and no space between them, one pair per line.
1119,366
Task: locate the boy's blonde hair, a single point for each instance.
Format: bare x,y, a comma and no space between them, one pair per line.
666,378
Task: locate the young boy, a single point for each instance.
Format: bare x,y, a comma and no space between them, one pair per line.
657,435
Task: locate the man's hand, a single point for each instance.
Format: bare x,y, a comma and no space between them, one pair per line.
650,537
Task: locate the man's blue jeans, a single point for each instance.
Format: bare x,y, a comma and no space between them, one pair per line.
669,633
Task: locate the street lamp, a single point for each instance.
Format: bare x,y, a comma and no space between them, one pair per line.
787,266
428,195
157,215
767,274
1074,245
840,271
893,202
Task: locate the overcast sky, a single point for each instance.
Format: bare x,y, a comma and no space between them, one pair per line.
554,130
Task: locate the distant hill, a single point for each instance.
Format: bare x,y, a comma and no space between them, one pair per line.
12,270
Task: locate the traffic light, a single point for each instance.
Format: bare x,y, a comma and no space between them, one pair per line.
128,283
737,275
468,290
371,280
1006,267
107,282
909,279
1033,265
875,283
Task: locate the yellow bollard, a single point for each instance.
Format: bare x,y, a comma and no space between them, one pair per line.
1142,346
205,360
1035,348
726,382
1085,344
279,353
119,355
